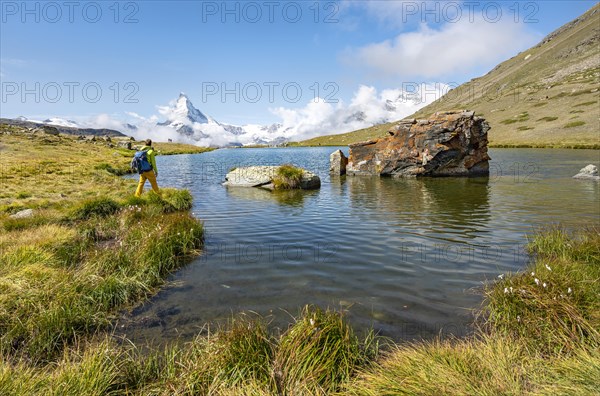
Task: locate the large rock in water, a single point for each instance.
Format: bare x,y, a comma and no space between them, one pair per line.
262,176
337,163
590,172
452,143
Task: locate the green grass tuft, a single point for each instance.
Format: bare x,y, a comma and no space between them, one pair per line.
548,119
319,352
574,124
100,207
287,177
554,306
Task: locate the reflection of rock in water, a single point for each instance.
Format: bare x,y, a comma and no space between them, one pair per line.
461,203
284,197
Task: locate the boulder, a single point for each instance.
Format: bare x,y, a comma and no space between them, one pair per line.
337,163
590,172
50,130
452,143
23,214
126,145
262,176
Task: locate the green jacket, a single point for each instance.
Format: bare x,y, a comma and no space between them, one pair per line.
151,154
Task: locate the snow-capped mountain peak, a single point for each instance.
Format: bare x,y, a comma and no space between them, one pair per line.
186,119
185,109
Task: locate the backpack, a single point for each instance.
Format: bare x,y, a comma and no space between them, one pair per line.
140,162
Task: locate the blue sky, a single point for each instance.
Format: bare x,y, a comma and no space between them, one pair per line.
141,54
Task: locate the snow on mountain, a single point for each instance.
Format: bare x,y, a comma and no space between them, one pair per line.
185,123
61,122
182,116
53,121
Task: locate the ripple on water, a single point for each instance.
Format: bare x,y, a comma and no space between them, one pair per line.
404,256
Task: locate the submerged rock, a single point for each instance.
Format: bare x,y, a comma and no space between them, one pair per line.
590,172
337,163
452,143
262,176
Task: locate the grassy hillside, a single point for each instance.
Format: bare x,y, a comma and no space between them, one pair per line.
89,248
546,96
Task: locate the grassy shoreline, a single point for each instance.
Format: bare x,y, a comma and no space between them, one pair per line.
69,270
534,338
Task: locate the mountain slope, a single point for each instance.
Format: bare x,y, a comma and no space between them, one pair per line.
545,96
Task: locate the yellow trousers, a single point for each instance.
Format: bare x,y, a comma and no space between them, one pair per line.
147,176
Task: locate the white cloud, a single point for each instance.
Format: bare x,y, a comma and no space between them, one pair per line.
454,48
368,107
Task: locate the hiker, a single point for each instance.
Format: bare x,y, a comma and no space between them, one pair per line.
145,164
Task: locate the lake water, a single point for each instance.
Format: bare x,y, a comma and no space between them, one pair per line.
405,257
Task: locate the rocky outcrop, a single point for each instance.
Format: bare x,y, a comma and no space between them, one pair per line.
590,172
452,143
263,176
337,163
23,214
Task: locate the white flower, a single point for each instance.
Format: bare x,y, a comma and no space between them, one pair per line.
511,289
501,276
569,290
537,281
312,322
505,290
518,318
544,284
533,274
548,267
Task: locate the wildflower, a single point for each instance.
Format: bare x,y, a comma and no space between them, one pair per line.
537,281
511,289
569,290
501,276
519,318
312,322
533,274
544,284
505,290
548,267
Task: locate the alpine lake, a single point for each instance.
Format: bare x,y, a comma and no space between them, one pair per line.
407,258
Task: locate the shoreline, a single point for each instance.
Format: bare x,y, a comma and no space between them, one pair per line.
70,271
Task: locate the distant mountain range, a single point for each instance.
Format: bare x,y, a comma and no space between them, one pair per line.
191,122
63,126
548,95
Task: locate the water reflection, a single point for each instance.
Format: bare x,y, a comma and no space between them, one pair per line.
403,254
282,197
